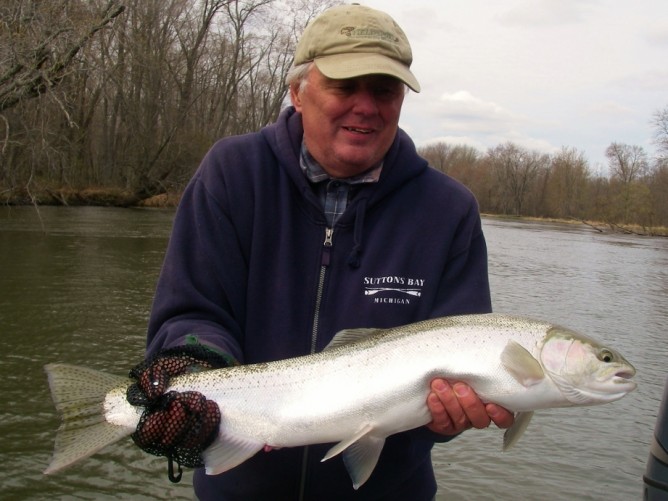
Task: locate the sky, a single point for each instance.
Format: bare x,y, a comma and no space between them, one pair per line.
542,74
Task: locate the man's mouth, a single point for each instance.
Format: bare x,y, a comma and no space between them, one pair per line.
359,130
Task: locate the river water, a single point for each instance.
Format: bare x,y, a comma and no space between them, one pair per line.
76,286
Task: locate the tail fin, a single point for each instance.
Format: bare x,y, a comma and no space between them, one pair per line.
79,395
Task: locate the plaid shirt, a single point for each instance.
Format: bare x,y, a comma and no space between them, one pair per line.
333,193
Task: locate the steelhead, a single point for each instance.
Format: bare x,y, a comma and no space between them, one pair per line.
376,384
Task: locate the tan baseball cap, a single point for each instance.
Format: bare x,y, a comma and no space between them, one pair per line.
349,41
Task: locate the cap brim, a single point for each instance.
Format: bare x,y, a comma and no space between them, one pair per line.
340,66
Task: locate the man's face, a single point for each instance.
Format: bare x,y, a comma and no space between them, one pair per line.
348,124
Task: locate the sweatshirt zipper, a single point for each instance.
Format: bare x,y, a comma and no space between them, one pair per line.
324,264
327,245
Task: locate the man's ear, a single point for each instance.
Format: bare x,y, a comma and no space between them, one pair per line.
295,96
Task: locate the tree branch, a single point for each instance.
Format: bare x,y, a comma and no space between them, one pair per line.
25,83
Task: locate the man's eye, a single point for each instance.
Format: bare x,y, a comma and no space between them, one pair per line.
347,88
385,92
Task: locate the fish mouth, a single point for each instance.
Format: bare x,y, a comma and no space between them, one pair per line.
624,376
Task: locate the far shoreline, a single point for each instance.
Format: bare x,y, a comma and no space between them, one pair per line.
116,197
597,226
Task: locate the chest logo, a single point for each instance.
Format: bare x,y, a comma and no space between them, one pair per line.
393,289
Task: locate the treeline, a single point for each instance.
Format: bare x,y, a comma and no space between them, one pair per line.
128,95
131,93
513,180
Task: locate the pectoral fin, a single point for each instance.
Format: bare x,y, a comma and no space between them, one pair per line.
360,454
521,364
513,434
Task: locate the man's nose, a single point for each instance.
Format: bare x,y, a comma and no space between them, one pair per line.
365,102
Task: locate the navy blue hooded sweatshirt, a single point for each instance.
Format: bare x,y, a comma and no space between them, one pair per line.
252,269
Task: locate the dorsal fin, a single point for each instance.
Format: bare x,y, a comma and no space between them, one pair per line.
348,336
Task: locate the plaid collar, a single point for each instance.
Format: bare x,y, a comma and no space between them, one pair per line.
315,173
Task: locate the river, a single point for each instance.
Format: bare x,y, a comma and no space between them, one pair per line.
76,286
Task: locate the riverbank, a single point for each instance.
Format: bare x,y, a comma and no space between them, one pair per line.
598,226
93,196
116,197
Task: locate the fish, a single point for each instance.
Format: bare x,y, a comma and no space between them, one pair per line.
376,381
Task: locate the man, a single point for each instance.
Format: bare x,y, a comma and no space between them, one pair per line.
325,220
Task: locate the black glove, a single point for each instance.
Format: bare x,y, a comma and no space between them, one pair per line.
178,425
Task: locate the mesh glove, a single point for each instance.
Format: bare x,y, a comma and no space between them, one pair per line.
177,425
152,376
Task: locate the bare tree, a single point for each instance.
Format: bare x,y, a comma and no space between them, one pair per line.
514,169
567,187
627,162
165,49
437,155
41,46
659,194
660,123
628,166
41,40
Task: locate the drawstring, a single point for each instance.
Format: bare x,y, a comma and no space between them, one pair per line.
358,232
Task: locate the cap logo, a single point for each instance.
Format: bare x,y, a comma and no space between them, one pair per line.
353,32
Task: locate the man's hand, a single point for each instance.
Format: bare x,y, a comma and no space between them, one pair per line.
457,408
178,425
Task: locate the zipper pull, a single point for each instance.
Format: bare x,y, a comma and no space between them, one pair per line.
329,232
327,244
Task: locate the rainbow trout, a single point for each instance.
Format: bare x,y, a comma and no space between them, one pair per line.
376,384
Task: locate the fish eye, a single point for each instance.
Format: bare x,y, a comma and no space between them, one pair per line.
606,356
